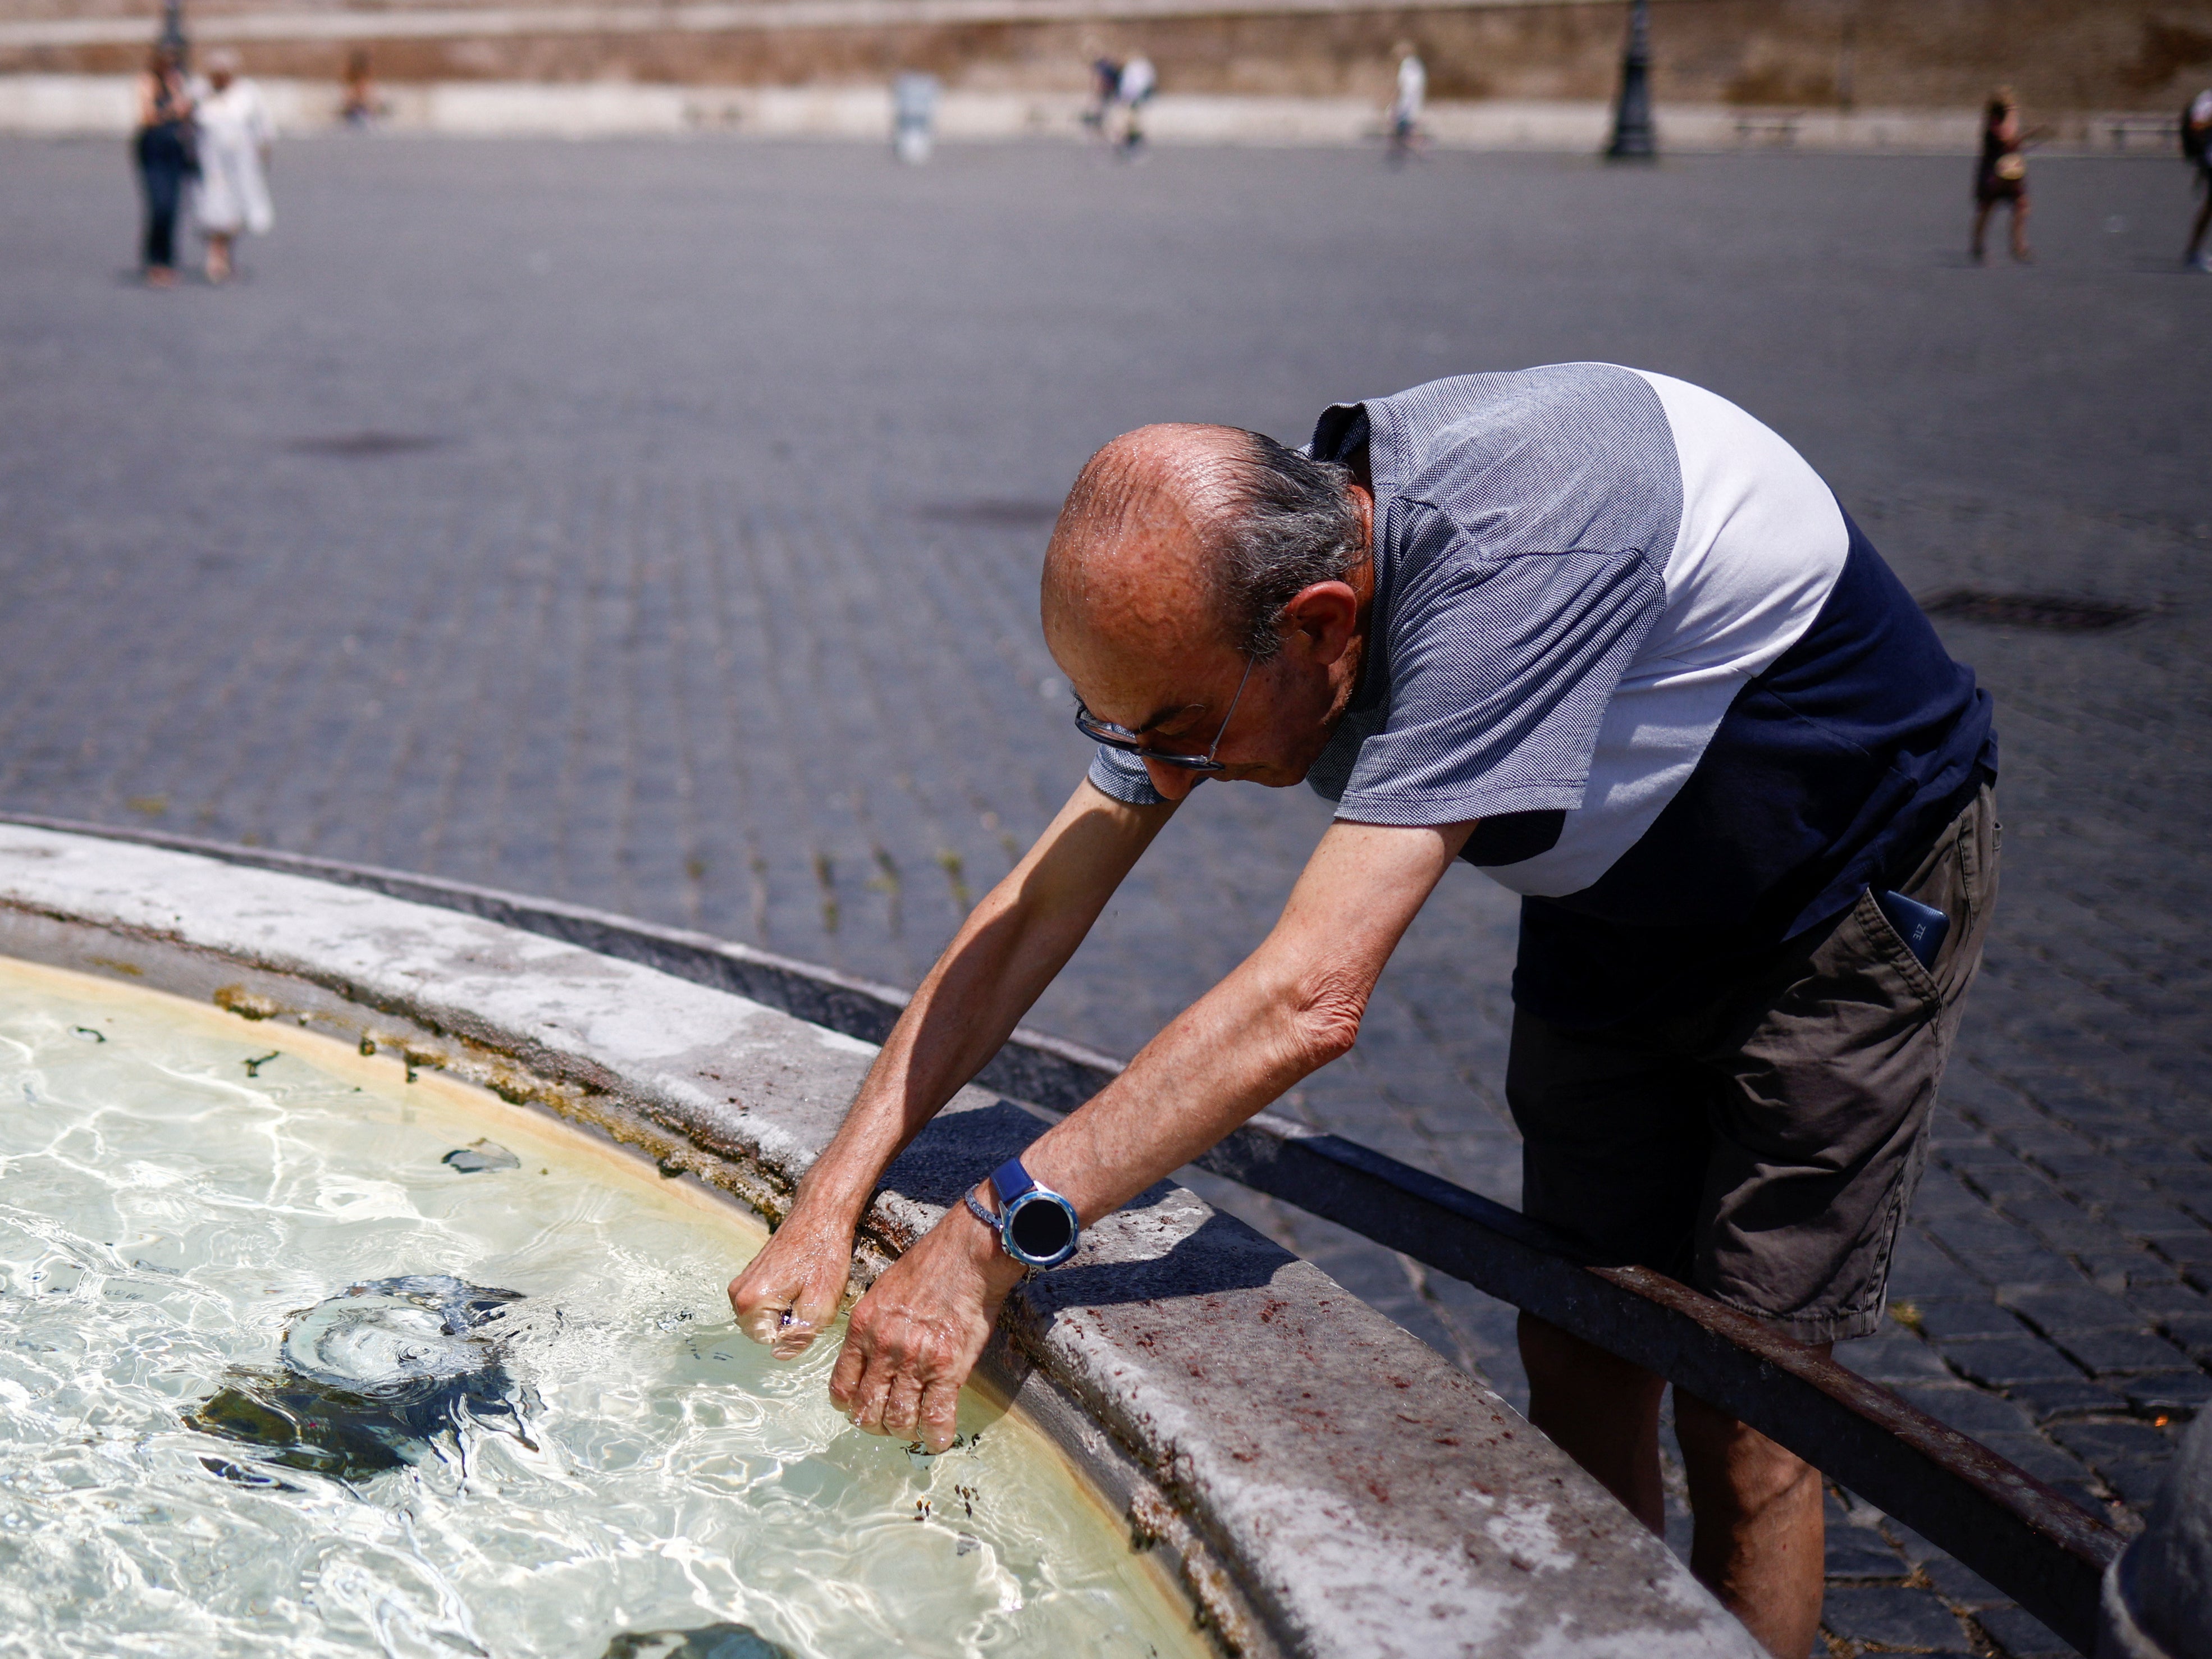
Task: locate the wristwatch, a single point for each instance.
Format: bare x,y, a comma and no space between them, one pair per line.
1036,1225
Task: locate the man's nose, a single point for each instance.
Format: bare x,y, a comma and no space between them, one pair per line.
1172,781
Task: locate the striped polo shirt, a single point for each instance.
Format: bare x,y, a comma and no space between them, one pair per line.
1629,630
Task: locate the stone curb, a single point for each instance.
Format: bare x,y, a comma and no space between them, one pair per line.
1323,1482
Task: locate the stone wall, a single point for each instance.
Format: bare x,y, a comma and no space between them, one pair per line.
2060,54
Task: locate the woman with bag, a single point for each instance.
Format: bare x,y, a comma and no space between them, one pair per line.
165,155
2002,174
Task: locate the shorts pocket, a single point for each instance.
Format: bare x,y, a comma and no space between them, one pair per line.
1886,946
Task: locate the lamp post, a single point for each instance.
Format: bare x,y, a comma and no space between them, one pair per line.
1632,139
172,39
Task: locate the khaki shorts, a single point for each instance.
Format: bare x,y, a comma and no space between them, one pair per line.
1764,1148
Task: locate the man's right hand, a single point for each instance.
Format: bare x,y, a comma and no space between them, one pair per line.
791,1290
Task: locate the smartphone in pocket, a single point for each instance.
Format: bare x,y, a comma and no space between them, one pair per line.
1922,926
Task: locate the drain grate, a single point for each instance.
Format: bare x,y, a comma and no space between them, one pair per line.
361,445
2058,613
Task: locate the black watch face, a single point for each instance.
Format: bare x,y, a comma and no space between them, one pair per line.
1040,1229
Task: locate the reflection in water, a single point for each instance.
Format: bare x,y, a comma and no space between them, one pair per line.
256,1399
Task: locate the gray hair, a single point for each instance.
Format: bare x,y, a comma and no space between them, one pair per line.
1290,522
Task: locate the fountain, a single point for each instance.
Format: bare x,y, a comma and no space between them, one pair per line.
440,1360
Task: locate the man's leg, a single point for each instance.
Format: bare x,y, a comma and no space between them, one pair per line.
1760,1541
2196,232
1601,1411
1818,1144
1981,225
1614,1143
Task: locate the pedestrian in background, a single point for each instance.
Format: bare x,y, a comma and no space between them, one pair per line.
1105,92
1134,90
234,135
914,118
2000,175
163,147
1406,107
358,105
2196,145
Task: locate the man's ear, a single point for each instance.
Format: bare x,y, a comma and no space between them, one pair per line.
1325,617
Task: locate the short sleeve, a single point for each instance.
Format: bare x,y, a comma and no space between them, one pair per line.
1117,773
1499,670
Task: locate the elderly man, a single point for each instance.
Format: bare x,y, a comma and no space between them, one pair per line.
1605,636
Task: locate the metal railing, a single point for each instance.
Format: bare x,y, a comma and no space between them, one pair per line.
2038,1547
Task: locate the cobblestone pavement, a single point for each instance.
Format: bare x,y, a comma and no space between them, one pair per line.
657,526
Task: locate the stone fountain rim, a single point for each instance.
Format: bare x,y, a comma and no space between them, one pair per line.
1395,1507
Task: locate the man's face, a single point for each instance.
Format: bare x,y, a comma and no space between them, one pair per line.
1172,680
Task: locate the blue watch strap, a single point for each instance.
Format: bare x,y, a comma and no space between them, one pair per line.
1011,1180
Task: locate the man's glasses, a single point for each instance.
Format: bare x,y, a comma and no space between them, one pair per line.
1121,737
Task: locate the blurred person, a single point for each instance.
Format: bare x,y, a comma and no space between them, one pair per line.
2000,175
1105,91
2197,146
1405,106
234,135
358,105
164,149
1134,90
914,117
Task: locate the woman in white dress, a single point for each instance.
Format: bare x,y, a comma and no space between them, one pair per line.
235,134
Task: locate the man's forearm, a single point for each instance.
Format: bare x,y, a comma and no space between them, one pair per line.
995,969
1288,1010
1224,1058
999,962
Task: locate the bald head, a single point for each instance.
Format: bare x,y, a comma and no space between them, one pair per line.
1133,556
1184,539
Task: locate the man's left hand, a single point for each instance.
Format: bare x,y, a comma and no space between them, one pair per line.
914,1338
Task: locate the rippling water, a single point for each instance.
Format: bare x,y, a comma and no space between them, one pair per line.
177,1188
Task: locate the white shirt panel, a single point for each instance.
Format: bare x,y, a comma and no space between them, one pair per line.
1761,544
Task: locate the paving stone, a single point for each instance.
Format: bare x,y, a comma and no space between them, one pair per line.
1856,1553
2167,1391
2005,1362
2051,1214
2019,1634
2124,1270
1968,1410
2051,1464
1945,1318
1892,1616
2072,1309
2046,1401
2102,1352
2193,1331
2138,1484
2103,1442
1961,1586
2167,1303
1898,1358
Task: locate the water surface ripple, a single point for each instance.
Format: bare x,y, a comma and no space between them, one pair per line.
167,1211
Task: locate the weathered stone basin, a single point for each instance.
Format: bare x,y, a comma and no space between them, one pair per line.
1317,1480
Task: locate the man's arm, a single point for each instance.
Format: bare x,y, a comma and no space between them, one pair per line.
1007,951
1294,1004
